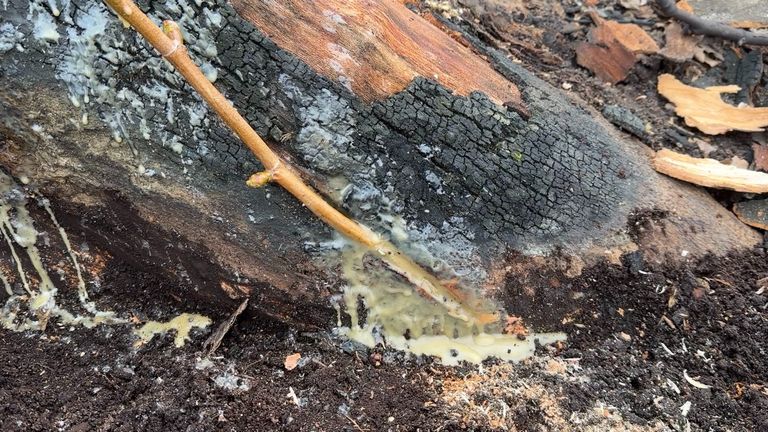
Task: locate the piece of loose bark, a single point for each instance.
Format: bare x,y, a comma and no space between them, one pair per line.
679,47
612,49
706,111
630,36
611,64
745,69
709,172
753,213
760,152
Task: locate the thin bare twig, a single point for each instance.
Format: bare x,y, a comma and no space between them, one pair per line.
214,341
168,42
710,28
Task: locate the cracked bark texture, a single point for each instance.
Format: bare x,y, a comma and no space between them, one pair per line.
468,180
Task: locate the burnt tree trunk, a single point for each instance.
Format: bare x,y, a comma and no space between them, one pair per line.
483,165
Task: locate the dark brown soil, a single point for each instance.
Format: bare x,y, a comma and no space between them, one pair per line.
708,313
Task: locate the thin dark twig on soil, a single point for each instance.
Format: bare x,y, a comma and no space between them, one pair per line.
214,341
709,28
357,426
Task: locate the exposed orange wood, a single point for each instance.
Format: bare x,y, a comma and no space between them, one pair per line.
375,47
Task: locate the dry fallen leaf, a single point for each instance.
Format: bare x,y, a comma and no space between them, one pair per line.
709,172
292,361
706,111
679,47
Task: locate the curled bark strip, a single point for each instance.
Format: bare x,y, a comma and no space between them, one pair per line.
709,172
709,28
167,40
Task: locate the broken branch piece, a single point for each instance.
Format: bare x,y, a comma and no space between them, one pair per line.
169,43
709,172
710,28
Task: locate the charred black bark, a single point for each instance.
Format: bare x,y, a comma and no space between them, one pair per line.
471,180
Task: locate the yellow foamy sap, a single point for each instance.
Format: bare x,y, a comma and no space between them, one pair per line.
398,316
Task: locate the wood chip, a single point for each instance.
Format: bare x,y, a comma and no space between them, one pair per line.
753,213
679,47
706,111
709,172
683,5
292,361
